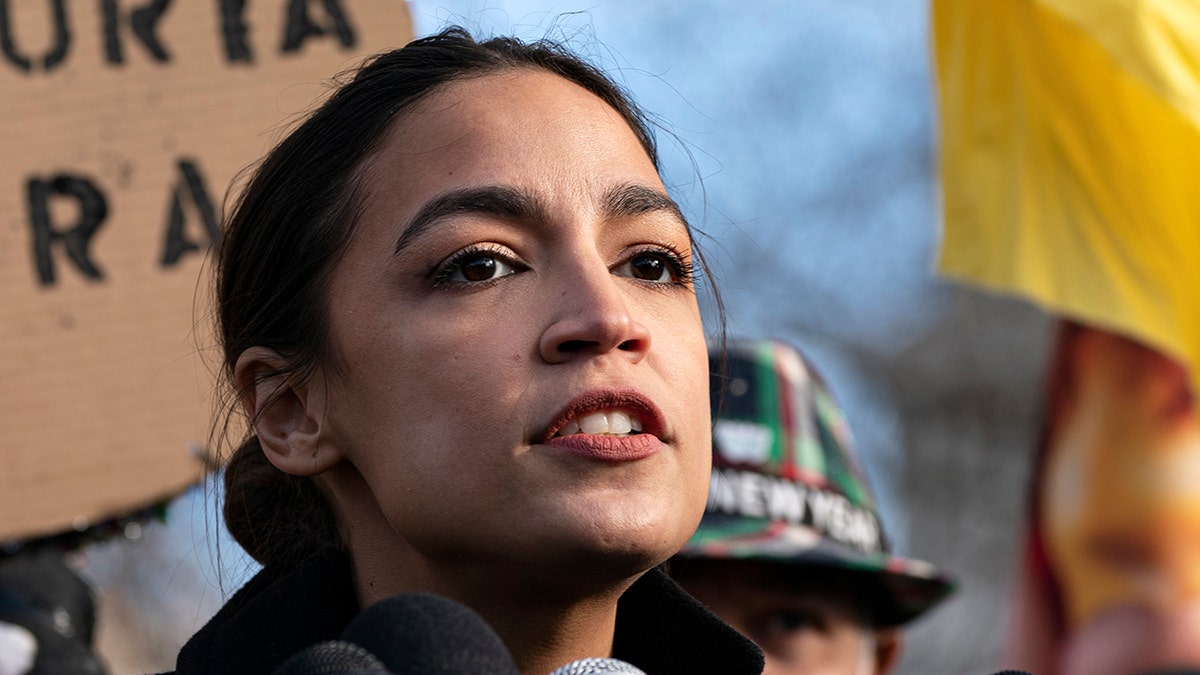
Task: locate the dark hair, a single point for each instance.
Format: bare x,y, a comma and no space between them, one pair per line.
294,219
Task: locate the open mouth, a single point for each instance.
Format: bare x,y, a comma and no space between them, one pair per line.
602,423
615,413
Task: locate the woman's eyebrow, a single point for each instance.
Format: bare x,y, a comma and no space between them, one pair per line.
632,199
494,200
509,203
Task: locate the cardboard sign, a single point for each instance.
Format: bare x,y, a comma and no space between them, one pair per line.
122,122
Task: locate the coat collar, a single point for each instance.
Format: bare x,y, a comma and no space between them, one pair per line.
660,628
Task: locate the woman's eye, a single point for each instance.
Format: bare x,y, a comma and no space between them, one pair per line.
483,268
475,266
657,267
649,268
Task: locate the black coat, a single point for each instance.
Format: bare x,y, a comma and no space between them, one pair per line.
660,628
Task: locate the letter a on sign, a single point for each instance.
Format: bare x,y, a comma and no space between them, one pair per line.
124,127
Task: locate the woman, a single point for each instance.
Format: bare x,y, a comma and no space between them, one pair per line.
456,304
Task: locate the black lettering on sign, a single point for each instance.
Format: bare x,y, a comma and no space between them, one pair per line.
191,185
300,27
233,27
143,21
75,240
54,57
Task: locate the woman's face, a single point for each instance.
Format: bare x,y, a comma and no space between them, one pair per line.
516,296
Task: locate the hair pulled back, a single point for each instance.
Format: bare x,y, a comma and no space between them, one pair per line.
292,222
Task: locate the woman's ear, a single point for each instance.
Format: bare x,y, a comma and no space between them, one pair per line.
288,417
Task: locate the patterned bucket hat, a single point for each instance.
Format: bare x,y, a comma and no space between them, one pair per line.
786,485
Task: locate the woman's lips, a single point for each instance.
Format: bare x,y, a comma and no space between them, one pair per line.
607,447
631,401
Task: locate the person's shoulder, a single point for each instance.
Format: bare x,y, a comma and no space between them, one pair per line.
283,609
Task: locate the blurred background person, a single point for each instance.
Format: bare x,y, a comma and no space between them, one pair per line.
1111,578
791,550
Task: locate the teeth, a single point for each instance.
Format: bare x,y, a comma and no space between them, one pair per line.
606,422
594,423
619,423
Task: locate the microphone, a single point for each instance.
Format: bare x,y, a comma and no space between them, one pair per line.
425,634
18,649
335,657
591,666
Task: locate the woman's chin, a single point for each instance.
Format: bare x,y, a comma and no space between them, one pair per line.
593,537
632,549
608,553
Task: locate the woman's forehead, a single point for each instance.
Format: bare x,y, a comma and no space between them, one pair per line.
511,110
529,131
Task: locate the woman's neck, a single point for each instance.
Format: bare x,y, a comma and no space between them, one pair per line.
544,638
543,627
546,618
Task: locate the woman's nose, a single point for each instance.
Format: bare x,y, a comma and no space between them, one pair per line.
594,318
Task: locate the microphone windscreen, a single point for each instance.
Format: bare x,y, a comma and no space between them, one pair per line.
428,634
335,657
18,649
598,665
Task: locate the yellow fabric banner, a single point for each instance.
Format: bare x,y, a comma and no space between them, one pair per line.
1070,159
